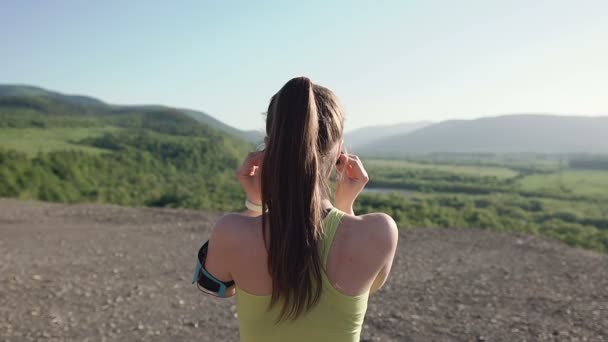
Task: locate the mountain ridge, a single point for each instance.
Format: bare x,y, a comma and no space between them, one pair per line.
88,103
514,133
368,134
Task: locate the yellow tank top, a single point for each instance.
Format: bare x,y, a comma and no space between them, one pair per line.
336,317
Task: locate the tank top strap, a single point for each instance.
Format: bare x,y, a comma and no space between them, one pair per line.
330,225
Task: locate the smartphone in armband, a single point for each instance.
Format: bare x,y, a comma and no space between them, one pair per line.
206,282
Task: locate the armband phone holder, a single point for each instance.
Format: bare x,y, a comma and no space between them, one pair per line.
204,280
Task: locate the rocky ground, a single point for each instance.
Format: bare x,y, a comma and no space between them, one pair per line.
106,273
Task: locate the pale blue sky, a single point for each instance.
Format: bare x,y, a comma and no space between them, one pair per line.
388,61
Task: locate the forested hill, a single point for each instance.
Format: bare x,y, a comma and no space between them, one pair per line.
503,134
69,148
53,103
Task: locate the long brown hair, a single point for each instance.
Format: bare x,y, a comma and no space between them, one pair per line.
303,124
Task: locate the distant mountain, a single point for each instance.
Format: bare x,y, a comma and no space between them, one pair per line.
366,135
30,91
45,100
502,134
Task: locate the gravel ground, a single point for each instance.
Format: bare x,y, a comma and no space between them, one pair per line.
107,273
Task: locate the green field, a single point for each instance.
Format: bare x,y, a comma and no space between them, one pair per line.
576,182
470,170
34,140
568,204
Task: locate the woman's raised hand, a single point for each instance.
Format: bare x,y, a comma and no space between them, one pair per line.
249,176
352,178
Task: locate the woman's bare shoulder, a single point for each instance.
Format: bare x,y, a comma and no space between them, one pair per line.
375,222
239,229
378,229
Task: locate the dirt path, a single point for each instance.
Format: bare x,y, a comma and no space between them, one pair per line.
106,273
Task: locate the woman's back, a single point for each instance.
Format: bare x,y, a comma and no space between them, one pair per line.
354,251
336,317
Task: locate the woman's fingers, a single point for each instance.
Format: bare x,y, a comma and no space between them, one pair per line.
355,168
255,156
248,175
252,162
255,162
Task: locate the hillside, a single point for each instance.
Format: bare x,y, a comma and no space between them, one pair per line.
49,102
366,135
252,136
65,148
7,90
99,272
503,134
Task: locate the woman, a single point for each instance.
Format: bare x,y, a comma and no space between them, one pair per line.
307,275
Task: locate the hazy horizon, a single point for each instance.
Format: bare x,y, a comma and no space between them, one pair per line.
389,63
348,129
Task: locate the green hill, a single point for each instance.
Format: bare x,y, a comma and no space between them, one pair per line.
30,91
251,136
22,97
69,148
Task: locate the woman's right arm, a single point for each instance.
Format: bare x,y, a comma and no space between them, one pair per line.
352,178
383,233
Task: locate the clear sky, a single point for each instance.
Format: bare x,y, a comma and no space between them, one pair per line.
388,61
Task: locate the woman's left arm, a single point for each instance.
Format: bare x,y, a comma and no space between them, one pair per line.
221,252
249,177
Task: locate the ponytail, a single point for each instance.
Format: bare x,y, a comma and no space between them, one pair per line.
291,193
